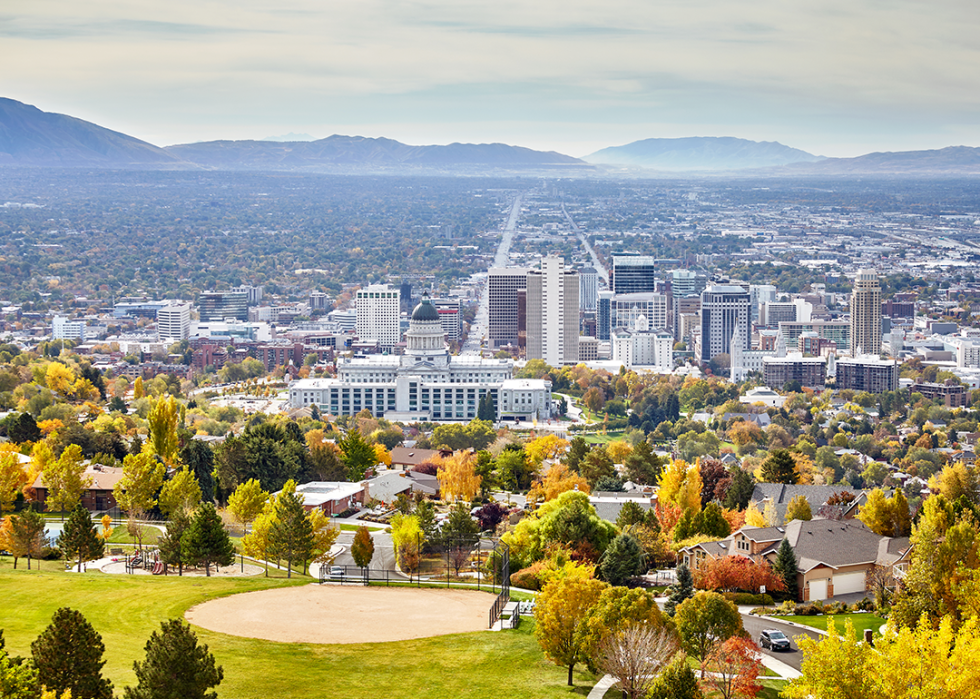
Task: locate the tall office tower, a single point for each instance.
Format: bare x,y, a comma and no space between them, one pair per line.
552,313
588,289
627,308
723,309
216,306
761,294
866,314
318,301
684,306
683,284
253,294
633,274
378,309
450,314
405,289
174,322
503,283
604,315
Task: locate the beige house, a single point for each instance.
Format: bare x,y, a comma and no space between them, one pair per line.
834,557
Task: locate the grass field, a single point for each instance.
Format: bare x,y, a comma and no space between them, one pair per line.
860,621
125,610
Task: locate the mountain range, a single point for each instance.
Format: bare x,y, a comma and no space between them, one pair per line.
33,138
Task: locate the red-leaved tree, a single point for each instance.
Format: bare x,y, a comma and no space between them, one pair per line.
737,574
733,668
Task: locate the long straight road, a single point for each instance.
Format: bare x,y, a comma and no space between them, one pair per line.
600,270
480,323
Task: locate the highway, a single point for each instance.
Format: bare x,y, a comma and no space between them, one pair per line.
603,274
478,329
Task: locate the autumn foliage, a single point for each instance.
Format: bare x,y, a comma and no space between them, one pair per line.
733,669
737,574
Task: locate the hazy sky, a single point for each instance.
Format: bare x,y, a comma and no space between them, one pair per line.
834,77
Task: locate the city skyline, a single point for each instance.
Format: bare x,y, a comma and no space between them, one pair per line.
833,79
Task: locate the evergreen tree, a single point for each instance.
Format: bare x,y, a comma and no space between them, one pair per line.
486,409
291,534
740,491
779,467
630,513
359,455
176,667
80,539
677,681
460,524
651,521
687,525
577,450
642,465
622,560
425,512
681,590
787,568
711,522
362,549
171,542
68,656
206,540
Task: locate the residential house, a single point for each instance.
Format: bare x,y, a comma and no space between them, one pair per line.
333,497
98,497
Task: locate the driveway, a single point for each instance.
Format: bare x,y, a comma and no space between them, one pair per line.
754,625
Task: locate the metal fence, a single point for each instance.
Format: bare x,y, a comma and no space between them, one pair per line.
501,559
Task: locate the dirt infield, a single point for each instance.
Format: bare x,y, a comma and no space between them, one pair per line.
334,614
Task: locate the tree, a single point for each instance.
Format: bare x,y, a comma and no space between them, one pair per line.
247,503
18,680
163,418
779,467
199,457
515,472
635,656
561,610
22,428
837,666
617,609
457,476
787,567
677,681
737,574
325,535
681,590
734,667
642,465
704,620
407,539
138,390
182,492
13,478
358,455
739,492
170,542
486,409
66,481
596,465
629,514
623,560
176,667
68,657
59,378
593,400
80,538
362,549
540,449
491,515
27,535
206,540
559,479
291,534
799,508
577,449
137,489
876,513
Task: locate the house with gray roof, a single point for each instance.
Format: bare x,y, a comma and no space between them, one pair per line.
607,504
817,495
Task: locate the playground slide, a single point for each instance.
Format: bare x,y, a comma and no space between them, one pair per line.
158,568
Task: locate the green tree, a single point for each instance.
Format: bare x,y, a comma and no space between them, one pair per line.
176,667
630,513
206,541
291,535
642,465
136,491
681,590
460,523
27,535
577,450
515,471
80,539
623,560
171,543
486,410
615,610
358,454
65,480
68,656
362,549
182,492
596,465
559,615
779,467
247,503
740,490
711,522
677,681
787,567
706,619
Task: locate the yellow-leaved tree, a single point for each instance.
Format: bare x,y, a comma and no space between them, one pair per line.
13,476
138,390
407,539
59,378
458,479
559,479
182,493
560,616
65,480
799,508
619,451
753,517
247,503
382,454
549,446
137,489
257,542
325,534
163,419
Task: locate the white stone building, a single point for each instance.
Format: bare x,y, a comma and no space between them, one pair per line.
378,309
644,347
174,322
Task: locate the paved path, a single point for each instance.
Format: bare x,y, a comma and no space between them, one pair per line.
754,625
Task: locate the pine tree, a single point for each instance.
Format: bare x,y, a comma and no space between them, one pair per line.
740,491
68,656
171,542
677,681
291,535
362,549
176,667
206,540
622,560
630,513
80,539
779,467
681,590
358,454
787,568
486,409
642,465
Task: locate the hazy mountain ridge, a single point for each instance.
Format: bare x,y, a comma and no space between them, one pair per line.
952,160
700,153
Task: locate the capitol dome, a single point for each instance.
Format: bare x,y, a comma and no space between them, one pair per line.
425,310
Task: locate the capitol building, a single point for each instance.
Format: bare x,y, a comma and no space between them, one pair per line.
425,384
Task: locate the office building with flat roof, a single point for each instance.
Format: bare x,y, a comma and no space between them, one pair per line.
866,314
503,307
723,309
632,274
378,312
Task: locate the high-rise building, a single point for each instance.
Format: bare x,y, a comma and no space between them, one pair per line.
405,289
632,274
723,308
552,312
776,312
866,314
761,294
174,322
216,306
684,285
64,329
378,309
503,283
450,314
604,315
318,301
628,307
253,294
868,373
588,289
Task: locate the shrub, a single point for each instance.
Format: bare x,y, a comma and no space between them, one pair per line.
835,608
808,609
865,605
747,598
527,578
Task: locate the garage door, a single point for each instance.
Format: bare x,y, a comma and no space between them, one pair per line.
818,589
848,582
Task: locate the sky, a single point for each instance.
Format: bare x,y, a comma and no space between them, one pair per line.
832,77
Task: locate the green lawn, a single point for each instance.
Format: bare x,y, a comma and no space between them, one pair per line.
126,609
610,436
861,621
